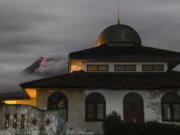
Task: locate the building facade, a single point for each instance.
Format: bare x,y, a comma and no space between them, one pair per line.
119,74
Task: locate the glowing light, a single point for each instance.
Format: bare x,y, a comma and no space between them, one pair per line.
100,41
43,61
32,93
75,68
10,102
76,65
31,102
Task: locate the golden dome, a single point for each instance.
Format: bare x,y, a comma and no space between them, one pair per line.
119,34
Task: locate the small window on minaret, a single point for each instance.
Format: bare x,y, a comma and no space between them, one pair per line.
7,121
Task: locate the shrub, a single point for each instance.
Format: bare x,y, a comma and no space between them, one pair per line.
113,125
110,124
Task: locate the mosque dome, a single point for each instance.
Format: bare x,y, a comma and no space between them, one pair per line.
120,35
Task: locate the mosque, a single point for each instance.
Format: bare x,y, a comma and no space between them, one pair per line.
119,74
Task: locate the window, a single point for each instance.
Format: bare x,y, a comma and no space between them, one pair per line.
125,68
15,121
58,100
97,68
102,67
95,107
7,116
22,121
92,68
159,67
171,107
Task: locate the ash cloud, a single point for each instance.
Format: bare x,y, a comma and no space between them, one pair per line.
13,74
53,65
35,28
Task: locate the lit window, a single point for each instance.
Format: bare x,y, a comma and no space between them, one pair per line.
125,67
95,107
7,121
171,107
97,67
159,67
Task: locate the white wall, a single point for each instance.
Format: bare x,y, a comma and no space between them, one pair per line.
151,100
30,113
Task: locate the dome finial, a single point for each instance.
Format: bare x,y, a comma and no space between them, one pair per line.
118,15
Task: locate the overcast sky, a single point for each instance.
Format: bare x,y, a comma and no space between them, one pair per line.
33,28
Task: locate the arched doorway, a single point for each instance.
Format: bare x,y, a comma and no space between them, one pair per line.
58,100
133,108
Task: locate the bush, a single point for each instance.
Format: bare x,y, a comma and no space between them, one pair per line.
110,124
113,125
156,128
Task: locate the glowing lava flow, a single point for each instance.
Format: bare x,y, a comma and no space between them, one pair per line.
43,61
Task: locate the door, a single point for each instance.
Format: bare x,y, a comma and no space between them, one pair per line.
133,108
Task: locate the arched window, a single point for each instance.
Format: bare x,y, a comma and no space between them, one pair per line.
171,107
133,108
95,107
58,100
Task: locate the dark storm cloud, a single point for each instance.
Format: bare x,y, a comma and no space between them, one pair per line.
33,28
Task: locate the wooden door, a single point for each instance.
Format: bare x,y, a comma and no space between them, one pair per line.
133,108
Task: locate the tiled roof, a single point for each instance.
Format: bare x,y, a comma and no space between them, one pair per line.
13,96
126,52
110,80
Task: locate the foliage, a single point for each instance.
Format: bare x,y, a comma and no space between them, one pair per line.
113,125
111,122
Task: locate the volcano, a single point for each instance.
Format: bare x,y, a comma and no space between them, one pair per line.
47,66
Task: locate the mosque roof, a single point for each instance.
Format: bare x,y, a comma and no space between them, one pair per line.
13,95
110,80
126,52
